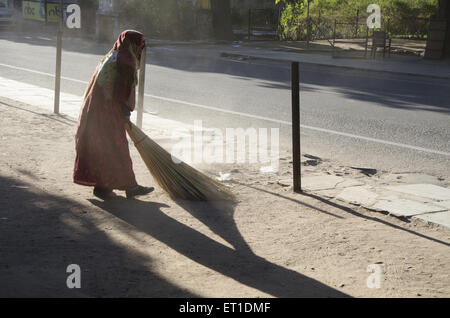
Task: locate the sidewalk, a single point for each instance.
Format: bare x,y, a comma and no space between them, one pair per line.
404,195
405,65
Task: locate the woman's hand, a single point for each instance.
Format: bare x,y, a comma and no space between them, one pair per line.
128,123
125,110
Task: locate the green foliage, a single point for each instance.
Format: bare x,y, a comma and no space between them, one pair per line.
290,20
406,17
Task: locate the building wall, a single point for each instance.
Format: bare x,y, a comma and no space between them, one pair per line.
244,5
203,4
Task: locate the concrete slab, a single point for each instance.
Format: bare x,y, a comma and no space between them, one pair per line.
326,182
349,183
445,204
360,195
331,193
430,191
321,182
410,178
402,207
441,218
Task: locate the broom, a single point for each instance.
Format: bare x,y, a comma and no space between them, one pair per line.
179,180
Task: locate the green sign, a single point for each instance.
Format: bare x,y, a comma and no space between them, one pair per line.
35,10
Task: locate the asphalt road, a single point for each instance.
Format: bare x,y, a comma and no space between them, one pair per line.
389,122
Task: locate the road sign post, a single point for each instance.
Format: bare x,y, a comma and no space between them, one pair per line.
141,89
296,150
58,60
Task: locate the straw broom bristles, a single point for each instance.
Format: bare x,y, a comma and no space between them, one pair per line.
179,180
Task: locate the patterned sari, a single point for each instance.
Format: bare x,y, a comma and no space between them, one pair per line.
103,157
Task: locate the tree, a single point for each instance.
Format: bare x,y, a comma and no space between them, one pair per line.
402,17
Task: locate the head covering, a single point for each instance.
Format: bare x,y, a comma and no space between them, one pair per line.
129,46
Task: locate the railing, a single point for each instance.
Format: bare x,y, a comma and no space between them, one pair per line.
323,28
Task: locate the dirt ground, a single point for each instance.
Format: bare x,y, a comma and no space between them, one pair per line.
272,243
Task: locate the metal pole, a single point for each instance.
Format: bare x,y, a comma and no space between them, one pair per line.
367,42
296,150
334,33
307,27
334,38
58,60
141,88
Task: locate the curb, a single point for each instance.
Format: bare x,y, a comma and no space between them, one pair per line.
151,44
251,57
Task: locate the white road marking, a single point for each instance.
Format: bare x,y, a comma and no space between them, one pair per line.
316,87
303,126
283,122
42,73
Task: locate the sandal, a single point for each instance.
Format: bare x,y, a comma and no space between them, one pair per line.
138,191
104,193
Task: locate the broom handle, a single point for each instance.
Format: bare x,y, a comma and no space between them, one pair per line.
128,128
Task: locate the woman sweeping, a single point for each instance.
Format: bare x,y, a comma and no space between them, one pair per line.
103,158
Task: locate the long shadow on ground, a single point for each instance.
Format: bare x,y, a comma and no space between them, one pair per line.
42,234
344,209
240,263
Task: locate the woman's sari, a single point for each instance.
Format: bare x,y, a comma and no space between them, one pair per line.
103,158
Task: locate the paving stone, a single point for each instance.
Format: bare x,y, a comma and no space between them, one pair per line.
430,191
331,193
321,182
410,178
441,218
402,207
349,183
360,195
445,204
326,182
